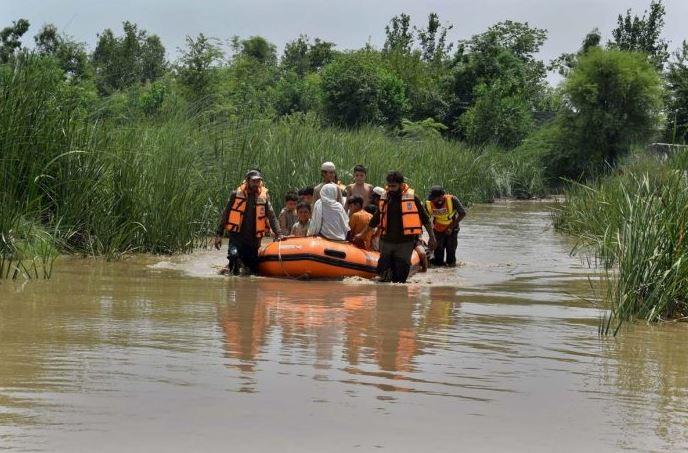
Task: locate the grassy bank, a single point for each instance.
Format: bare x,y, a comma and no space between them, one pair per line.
76,181
634,222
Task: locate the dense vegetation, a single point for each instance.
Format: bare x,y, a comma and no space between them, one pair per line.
117,149
635,222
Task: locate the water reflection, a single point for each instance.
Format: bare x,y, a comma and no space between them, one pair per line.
375,324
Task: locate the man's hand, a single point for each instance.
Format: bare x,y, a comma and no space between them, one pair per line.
217,242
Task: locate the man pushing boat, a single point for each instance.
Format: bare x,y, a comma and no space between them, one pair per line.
247,217
400,217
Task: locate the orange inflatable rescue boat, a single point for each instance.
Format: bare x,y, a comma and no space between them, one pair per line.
317,257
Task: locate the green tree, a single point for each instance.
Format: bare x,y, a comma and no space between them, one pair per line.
357,89
10,39
677,84
321,53
70,55
120,62
419,57
613,99
296,57
433,39
399,35
500,116
643,34
503,56
152,57
297,94
257,48
302,57
249,81
427,84
249,86
197,68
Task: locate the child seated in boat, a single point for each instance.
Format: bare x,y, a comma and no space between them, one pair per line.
303,212
358,221
287,217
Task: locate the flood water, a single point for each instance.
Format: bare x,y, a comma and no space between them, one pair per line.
501,354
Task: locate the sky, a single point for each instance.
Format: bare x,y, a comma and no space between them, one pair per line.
350,23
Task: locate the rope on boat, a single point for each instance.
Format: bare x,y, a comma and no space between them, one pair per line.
279,258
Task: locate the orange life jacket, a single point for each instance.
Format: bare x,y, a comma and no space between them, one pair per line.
410,218
238,208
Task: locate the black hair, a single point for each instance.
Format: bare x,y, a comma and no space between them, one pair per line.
303,205
395,177
356,199
360,168
291,196
371,208
306,191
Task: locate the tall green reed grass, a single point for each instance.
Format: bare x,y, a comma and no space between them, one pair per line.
92,185
634,222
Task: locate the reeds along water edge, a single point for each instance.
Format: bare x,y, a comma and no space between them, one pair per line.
635,221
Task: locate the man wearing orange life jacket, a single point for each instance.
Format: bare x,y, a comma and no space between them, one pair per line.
401,217
446,211
248,216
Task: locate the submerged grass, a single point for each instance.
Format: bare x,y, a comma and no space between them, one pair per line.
74,182
635,224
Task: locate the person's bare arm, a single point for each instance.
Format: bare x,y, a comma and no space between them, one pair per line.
272,219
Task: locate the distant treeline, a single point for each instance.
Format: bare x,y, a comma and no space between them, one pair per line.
487,89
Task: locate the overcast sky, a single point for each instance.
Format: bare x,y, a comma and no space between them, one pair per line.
349,23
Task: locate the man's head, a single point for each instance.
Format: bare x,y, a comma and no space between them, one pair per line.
360,174
355,203
437,195
306,194
394,181
253,180
303,211
328,172
291,200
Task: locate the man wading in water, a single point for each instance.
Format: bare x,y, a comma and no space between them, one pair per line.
400,216
446,211
246,219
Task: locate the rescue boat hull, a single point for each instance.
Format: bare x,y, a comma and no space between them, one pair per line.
317,257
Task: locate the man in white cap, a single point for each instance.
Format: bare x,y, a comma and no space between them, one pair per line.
329,175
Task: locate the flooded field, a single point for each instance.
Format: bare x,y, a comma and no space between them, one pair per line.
160,354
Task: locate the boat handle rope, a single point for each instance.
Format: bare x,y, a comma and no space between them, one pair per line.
279,258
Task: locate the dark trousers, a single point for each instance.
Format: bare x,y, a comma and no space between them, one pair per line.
446,245
395,260
247,253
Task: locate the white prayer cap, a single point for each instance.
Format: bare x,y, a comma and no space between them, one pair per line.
328,166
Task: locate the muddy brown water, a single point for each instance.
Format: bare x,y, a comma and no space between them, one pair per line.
501,354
